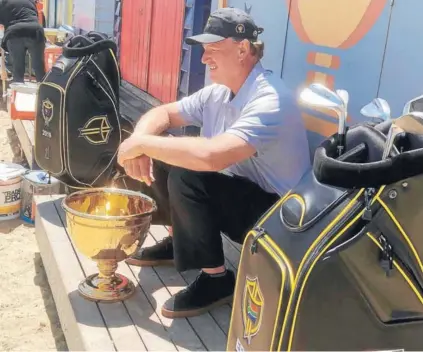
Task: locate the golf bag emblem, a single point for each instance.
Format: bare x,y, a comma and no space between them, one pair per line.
97,130
252,308
47,111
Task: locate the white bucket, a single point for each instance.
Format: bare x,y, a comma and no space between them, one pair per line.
10,190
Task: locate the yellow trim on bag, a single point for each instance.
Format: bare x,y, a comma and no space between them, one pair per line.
398,225
291,279
54,85
398,267
291,335
250,233
116,62
306,255
300,200
283,271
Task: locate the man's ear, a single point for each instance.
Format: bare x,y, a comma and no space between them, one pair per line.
243,48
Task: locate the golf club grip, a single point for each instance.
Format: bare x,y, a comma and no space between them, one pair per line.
347,174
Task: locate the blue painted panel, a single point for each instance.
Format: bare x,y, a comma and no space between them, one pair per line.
272,15
402,76
358,72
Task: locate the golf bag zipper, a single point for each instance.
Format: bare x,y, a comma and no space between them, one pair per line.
260,232
386,255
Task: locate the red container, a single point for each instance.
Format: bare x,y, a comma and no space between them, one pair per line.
21,102
51,54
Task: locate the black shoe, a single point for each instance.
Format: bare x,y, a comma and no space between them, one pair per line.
205,293
159,254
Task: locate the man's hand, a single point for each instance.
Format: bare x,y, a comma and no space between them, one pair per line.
128,150
140,168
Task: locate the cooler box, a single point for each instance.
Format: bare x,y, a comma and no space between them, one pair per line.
22,99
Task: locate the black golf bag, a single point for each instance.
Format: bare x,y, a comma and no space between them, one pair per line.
336,264
78,127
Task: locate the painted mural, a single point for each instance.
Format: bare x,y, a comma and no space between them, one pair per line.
367,47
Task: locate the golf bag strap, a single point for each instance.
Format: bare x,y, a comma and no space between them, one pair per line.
85,45
371,172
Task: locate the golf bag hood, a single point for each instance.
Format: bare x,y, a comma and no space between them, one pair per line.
78,126
336,263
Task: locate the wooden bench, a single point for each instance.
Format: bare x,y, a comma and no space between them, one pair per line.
135,324
25,130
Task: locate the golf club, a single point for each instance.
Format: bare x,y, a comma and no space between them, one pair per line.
409,123
378,108
320,96
394,131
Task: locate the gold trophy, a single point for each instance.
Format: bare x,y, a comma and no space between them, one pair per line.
108,225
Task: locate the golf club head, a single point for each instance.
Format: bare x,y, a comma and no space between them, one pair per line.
343,94
378,108
318,95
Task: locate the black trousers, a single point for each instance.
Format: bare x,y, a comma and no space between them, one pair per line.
17,47
201,205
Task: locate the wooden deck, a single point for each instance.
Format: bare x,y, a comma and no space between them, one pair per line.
135,324
25,130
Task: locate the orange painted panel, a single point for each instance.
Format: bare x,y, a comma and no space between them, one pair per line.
135,41
165,49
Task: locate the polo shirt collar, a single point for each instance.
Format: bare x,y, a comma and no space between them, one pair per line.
239,100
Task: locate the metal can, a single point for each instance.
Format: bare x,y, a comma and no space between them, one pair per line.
36,183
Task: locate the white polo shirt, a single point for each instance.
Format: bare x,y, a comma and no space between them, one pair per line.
265,114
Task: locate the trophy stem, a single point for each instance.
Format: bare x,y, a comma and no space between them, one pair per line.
106,286
107,268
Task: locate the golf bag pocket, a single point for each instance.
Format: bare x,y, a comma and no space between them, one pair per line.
78,125
397,226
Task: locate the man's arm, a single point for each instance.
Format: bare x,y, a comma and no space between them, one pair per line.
159,119
254,132
196,153
187,111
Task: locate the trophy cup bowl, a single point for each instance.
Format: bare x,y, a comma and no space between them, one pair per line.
108,225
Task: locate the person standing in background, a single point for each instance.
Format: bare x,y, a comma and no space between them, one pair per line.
22,33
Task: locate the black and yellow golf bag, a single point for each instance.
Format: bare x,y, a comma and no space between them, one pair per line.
337,263
78,127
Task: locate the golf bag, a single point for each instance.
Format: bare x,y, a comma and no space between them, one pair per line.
78,126
336,264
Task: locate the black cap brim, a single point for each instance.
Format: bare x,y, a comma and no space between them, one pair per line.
205,38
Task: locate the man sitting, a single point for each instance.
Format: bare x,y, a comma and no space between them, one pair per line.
252,150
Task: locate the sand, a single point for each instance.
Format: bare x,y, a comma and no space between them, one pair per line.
28,316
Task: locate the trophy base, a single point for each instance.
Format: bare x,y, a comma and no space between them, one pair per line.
106,290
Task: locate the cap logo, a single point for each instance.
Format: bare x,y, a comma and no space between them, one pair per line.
255,33
240,29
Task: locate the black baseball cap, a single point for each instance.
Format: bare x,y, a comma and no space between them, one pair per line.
225,23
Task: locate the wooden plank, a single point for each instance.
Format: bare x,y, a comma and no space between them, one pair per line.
29,126
25,133
140,309
180,330
135,324
207,325
79,318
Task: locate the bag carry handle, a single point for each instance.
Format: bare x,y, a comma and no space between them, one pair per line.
331,171
85,45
